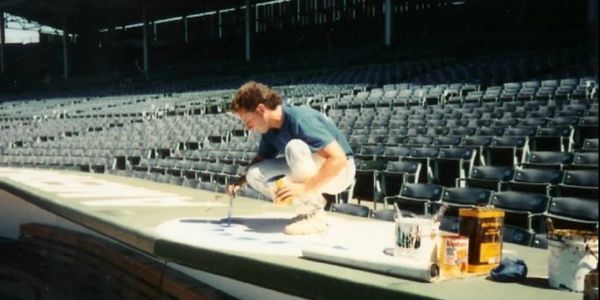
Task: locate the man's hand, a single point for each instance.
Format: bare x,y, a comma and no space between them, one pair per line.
290,189
232,189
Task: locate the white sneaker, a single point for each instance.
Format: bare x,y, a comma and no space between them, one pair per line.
307,224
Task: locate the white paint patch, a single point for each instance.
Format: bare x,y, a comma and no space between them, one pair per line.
263,234
117,192
158,202
97,192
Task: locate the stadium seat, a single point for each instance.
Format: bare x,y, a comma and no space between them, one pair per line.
424,156
466,196
517,235
578,183
397,173
479,143
574,209
366,177
383,214
453,163
351,209
487,177
553,139
490,131
520,203
447,141
371,152
541,181
590,145
547,160
584,160
450,224
416,197
507,150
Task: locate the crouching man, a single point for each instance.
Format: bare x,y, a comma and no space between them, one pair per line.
317,157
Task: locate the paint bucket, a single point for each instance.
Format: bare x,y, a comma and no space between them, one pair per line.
483,226
417,238
275,183
590,285
454,255
573,254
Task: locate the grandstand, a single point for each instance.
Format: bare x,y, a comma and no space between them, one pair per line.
442,113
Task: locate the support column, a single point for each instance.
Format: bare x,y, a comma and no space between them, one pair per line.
248,31
2,33
220,23
185,29
388,22
592,21
145,38
65,38
154,34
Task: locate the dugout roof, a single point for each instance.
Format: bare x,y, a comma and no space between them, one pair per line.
91,15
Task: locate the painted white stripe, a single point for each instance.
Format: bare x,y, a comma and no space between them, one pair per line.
151,202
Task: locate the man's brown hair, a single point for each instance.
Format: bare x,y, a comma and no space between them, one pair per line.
253,93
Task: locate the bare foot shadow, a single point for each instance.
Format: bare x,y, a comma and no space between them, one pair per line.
265,225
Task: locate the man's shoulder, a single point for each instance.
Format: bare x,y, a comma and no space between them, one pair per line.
301,112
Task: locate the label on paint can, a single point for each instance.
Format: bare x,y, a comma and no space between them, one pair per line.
454,255
275,183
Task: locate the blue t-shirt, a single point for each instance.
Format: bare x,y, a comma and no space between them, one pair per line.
303,123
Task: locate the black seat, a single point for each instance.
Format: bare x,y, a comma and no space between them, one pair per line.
541,181
462,131
418,141
389,214
453,163
517,235
585,160
395,152
487,177
351,209
491,131
479,143
447,141
370,152
416,197
396,174
574,210
466,196
449,223
547,159
587,128
424,156
578,183
590,145
366,179
507,150
553,139
520,131
517,204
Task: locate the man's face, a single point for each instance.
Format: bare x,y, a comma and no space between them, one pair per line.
254,120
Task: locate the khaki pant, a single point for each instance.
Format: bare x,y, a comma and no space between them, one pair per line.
299,164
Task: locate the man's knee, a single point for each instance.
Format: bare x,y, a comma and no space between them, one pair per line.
296,148
254,176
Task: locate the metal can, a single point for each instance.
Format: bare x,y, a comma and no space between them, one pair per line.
275,183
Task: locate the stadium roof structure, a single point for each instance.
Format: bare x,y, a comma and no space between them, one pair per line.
78,16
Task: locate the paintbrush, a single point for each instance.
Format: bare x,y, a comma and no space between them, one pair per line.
231,196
